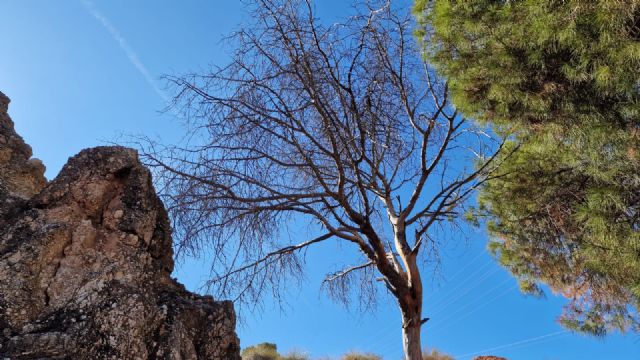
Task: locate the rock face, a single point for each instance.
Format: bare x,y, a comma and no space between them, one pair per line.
489,358
85,264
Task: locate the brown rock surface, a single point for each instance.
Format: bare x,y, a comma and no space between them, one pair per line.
489,358
85,264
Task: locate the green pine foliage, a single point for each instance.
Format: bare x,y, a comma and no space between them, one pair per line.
535,61
565,76
573,225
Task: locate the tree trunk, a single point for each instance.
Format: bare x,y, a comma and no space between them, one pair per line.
411,343
410,298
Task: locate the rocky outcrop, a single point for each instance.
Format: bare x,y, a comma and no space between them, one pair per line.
20,176
86,262
489,358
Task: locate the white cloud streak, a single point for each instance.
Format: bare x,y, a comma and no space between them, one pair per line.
124,45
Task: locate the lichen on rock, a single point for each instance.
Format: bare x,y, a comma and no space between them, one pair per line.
86,262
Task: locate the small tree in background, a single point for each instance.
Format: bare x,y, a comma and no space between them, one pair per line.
343,131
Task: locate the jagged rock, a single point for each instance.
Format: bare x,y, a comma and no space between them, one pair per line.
86,262
22,176
489,358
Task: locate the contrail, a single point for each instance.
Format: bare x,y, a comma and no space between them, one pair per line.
124,45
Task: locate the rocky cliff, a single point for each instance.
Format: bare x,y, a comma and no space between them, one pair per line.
86,262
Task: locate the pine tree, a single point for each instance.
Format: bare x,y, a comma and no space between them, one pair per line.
565,75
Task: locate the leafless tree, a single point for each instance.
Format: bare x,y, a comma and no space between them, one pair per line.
317,134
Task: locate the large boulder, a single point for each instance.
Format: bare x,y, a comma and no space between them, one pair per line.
86,262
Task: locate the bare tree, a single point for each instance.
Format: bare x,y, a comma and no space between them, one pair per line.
340,127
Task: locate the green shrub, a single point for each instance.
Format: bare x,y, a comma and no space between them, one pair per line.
263,351
435,355
296,355
269,351
354,355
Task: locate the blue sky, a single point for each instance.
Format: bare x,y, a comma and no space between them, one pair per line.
81,73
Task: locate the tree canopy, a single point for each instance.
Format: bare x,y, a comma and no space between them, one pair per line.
535,61
565,75
315,134
572,225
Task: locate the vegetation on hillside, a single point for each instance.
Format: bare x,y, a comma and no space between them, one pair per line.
269,351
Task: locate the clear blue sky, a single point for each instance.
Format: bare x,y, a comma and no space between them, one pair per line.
81,73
